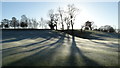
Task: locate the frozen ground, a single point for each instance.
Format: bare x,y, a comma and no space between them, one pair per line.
52,48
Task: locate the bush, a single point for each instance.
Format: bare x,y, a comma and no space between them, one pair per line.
107,28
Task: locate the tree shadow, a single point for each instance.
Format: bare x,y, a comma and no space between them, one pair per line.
92,35
113,45
32,34
26,34
19,47
85,34
72,59
40,56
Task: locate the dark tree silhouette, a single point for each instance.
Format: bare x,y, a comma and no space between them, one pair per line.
5,23
24,21
14,22
88,25
51,25
24,24
1,24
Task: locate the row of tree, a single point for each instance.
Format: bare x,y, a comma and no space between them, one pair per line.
23,23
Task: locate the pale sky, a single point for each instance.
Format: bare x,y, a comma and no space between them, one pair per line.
101,13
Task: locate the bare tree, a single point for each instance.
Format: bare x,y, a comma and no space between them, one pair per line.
41,22
93,26
67,21
45,24
35,24
72,11
61,16
51,14
30,25
56,17
51,22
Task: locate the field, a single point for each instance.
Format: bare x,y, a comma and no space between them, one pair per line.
55,48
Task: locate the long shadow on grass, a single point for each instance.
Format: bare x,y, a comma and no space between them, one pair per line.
85,34
47,34
113,45
25,34
42,57
72,59
92,34
7,51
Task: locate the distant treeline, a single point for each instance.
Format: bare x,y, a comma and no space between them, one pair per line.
23,23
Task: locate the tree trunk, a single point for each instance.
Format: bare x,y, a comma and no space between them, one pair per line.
14,25
72,27
68,27
62,21
2,26
56,25
62,27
